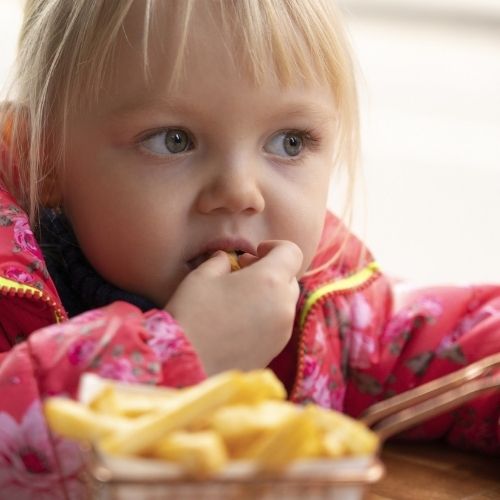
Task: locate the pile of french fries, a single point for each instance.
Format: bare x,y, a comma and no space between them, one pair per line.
231,416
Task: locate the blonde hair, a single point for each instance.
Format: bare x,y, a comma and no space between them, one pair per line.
66,51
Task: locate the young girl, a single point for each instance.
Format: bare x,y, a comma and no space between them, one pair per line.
145,141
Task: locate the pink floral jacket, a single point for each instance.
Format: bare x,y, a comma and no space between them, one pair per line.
351,347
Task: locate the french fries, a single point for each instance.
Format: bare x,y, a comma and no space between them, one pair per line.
200,453
230,416
242,425
116,401
190,405
233,259
297,437
74,420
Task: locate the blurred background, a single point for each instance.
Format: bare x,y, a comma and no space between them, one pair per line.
430,107
428,204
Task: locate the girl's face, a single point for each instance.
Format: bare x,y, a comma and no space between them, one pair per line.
157,179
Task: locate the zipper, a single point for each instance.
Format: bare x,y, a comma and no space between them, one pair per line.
355,283
13,288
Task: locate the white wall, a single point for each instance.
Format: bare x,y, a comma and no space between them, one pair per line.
430,92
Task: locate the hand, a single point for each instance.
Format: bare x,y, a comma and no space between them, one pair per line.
241,319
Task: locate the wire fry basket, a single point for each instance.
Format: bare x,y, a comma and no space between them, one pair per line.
129,478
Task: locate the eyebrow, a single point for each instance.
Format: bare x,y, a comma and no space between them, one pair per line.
306,110
136,107
293,110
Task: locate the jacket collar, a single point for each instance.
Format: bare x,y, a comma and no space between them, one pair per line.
22,268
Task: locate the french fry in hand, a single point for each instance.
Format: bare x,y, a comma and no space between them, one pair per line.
233,260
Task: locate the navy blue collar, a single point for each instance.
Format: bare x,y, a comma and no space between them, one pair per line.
79,286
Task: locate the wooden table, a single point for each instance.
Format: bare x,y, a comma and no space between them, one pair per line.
434,471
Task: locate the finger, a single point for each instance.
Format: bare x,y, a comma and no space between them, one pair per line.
295,290
217,264
280,254
247,259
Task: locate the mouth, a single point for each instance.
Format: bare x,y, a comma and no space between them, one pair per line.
238,248
200,259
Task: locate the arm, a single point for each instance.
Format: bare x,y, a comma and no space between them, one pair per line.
432,332
117,342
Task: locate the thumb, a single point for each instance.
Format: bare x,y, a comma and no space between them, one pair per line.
216,265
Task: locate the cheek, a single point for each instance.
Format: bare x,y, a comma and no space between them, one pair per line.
310,238
107,219
310,216
302,223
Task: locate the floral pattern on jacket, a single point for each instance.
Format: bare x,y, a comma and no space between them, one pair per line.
24,244
354,349
29,465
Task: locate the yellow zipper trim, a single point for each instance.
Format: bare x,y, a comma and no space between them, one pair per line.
9,286
351,282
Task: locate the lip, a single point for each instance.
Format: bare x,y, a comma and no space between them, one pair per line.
226,244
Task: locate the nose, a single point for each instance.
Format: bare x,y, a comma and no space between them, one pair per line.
233,189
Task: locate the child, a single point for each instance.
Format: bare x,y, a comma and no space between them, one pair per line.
147,139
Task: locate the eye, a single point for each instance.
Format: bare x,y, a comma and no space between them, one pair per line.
168,142
285,144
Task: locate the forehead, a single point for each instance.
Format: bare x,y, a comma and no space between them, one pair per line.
171,43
